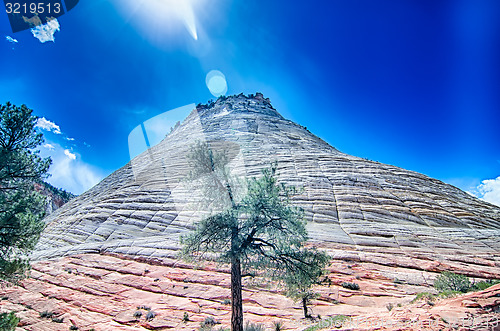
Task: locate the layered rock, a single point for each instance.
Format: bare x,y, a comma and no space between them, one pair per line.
104,293
357,209
112,252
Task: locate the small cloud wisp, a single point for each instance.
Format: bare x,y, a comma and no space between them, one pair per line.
47,125
45,32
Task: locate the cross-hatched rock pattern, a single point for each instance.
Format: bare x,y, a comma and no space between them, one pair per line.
356,208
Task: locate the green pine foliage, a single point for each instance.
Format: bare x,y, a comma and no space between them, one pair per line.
21,208
255,228
8,321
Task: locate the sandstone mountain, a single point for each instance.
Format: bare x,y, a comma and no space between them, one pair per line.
114,248
359,209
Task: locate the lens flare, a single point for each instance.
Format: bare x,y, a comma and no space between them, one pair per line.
216,83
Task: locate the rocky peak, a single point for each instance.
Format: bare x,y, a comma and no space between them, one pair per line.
238,104
357,209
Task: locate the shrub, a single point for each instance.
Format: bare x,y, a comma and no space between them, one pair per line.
150,315
278,326
226,302
448,294
208,325
185,318
138,314
58,320
73,327
424,295
389,306
483,285
254,327
351,286
451,281
209,321
336,321
8,321
46,314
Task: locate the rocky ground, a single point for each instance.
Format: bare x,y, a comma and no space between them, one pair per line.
104,292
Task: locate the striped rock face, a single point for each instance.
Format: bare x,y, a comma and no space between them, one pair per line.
356,209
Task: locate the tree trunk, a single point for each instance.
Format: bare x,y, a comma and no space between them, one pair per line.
304,306
236,298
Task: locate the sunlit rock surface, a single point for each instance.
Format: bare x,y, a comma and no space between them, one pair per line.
359,209
114,248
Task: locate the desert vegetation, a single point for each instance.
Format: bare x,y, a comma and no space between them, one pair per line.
254,230
21,207
449,284
452,282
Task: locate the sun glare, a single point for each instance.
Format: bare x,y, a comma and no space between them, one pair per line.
157,18
181,9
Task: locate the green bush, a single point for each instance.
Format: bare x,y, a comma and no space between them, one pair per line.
483,285
452,282
185,318
351,286
8,321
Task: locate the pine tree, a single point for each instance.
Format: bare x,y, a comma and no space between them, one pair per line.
260,232
21,208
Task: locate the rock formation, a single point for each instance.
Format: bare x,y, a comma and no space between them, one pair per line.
359,209
56,197
388,229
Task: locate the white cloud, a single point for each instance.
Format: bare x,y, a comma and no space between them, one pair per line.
489,190
70,155
69,172
11,40
47,125
45,32
49,146
70,139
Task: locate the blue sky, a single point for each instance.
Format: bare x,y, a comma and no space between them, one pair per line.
410,83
